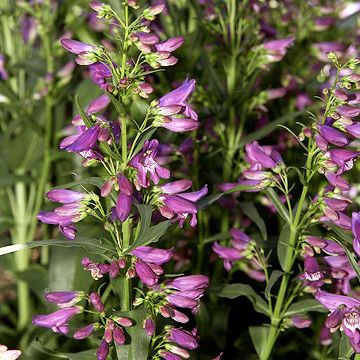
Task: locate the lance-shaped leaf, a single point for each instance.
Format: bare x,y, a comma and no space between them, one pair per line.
81,112
275,200
275,275
283,245
233,291
259,336
304,306
251,212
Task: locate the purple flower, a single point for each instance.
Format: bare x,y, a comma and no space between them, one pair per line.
333,136
300,322
343,311
348,111
96,302
174,202
265,156
170,45
146,163
118,336
228,254
85,52
103,351
3,73
86,140
97,270
57,321
124,200
183,338
355,228
64,298
312,269
328,246
276,49
190,282
64,196
146,273
97,104
152,255
149,326
85,332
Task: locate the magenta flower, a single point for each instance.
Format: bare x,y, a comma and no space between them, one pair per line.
276,49
344,311
170,45
103,351
85,332
97,270
148,273
152,255
64,196
145,163
64,298
333,136
228,254
96,302
149,326
312,270
124,199
58,320
3,73
85,52
183,338
355,228
328,246
265,156
173,202
301,322
173,111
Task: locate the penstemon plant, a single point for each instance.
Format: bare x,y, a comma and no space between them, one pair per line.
118,146
326,144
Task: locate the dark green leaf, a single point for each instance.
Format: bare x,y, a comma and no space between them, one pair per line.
220,236
107,150
345,349
275,275
95,181
283,245
275,200
83,355
81,112
352,260
153,234
146,136
341,233
93,246
259,335
304,306
138,346
233,291
251,212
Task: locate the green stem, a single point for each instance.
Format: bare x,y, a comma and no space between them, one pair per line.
126,299
21,257
277,315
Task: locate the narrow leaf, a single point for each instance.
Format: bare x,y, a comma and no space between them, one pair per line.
351,259
259,335
275,200
91,245
81,112
304,306
341,233
275,275
233,291
251,212
146,136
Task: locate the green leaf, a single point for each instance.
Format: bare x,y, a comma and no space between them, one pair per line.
146,136
275,275
233,291
304,306
153,234
344,235
83,355
208,200
145,211
81,112
251,212
282,246
104,146
352,260
275,200
91,245
138,348
259,335
95,181
345,349
220,236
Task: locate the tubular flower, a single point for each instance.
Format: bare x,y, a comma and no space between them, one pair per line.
146,164
276,49
58,320
176,204
173,111
344,314
75,208
124,199
355,228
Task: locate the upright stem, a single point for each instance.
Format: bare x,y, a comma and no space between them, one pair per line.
279,309
21,257
126,300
